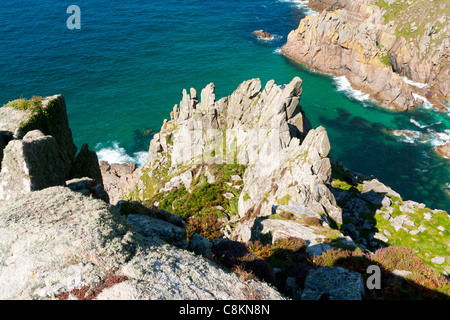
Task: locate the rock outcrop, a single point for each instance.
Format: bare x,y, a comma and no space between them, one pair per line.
48,115
37,150
444,150
333,284
30,164
299,180
376,216
262,34
375,47
331,43
266,131
119,179
86,165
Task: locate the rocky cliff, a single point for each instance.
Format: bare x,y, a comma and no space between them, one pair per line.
262,129
238,200
60,239
376,44
251,180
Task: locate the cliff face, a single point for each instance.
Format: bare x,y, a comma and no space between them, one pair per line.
374,44
421,51
207,161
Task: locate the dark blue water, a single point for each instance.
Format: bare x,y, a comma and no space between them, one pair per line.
124,70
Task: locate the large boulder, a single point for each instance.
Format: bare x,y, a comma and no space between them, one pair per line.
49,115
88,187
333,283
30,164
56,243
232,128
161,229
119,179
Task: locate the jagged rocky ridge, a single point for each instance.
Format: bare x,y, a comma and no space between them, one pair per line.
261,129
274,178
241,183
363,41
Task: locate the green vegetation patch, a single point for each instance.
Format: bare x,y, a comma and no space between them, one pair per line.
385,59
413,18
284,200
33,105
420,282
202,198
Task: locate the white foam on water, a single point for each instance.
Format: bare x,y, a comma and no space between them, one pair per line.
117,154
342,84
408,136
440,138
415,84
422,126
273,37
426,103
277,51
302,4
417,123
141,157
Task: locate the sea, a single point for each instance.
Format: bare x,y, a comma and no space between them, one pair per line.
125,68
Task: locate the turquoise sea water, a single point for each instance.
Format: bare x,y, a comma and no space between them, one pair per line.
124,70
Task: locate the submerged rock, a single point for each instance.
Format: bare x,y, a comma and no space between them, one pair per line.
262,34
444,150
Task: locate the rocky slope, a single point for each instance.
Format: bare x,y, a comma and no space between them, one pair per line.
57,241
59,244
266,191
238,200
375,44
